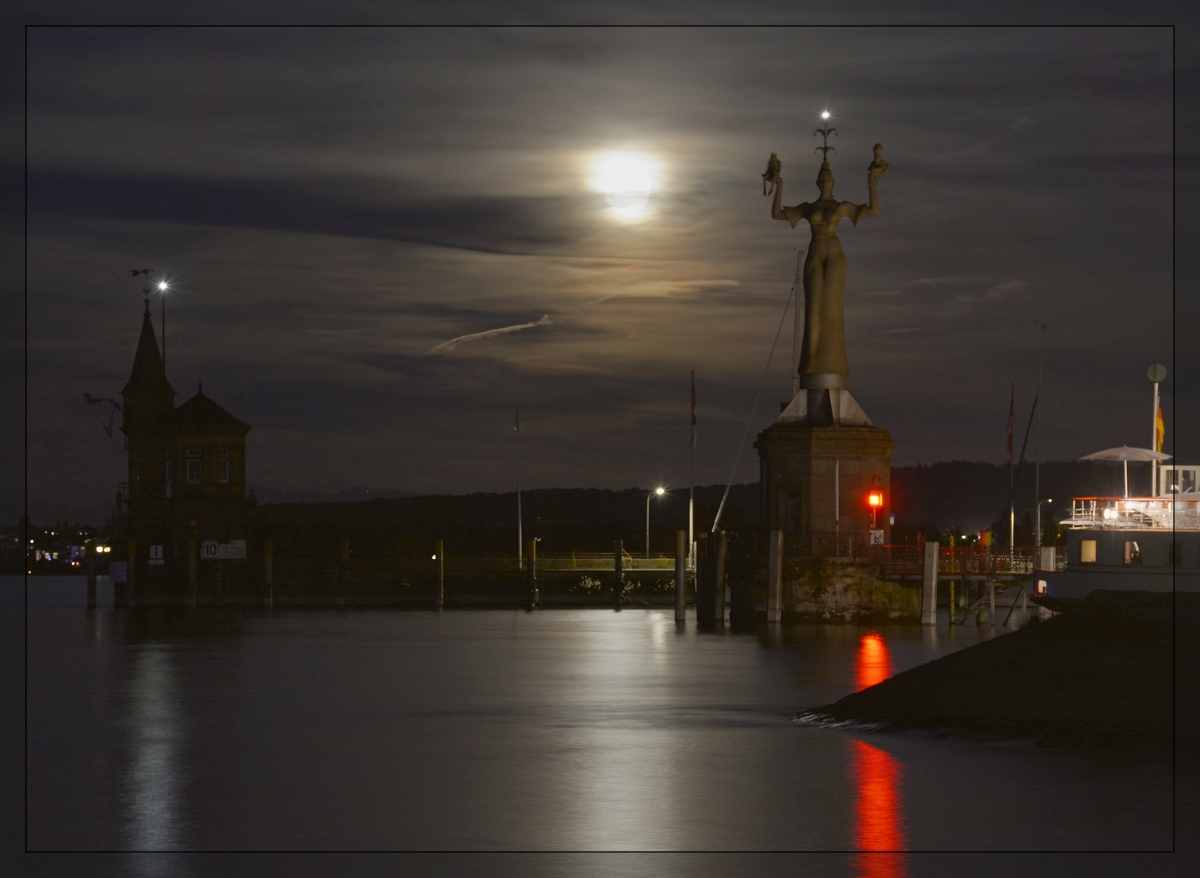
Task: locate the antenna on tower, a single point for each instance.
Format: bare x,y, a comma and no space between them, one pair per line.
145,272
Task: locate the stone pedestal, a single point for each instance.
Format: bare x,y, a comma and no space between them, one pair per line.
816,480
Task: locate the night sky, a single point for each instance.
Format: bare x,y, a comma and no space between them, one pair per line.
336,207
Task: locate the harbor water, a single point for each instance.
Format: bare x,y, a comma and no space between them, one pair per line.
558,730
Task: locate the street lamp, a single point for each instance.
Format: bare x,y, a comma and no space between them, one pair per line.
657,492
163,287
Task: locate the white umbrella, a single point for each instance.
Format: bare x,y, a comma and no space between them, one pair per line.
1126,454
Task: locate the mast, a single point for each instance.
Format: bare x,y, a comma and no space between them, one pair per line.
692,481
520,544
1037,446
797,331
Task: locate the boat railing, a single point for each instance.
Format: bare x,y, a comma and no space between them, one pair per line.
1141,513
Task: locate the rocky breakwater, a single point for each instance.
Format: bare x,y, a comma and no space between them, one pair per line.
1121,670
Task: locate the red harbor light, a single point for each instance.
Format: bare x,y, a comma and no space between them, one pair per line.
875,499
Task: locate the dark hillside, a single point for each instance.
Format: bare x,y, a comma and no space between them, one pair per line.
968,495
565,519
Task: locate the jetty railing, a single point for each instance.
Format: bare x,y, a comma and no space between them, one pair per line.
909,560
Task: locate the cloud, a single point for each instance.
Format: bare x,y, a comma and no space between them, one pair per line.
355,208
703,285
1000,290
488,333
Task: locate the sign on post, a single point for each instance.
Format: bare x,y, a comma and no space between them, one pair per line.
211,550
156,555
231,550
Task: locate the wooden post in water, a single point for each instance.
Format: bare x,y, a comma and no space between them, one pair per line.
718,609
618,573
269,571
191,602
90,560
929,585
704,569
680,576
952,607
531,562
343,561
131,575
775,578
439,552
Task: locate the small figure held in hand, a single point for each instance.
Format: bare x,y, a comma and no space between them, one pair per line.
771,175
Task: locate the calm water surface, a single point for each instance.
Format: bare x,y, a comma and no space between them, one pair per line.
569,730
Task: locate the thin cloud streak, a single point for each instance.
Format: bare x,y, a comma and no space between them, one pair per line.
450,345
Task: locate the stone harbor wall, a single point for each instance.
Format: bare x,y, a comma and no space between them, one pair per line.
846,590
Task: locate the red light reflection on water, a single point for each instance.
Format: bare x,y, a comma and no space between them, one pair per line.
878,818
873,664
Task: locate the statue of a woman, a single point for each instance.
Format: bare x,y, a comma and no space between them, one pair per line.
823,350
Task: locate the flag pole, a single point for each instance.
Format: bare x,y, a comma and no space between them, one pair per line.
1157,446
1012,390
520,544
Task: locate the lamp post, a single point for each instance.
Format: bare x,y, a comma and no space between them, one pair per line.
163,286
657,492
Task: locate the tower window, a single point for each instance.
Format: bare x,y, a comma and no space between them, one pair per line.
193,466
223,465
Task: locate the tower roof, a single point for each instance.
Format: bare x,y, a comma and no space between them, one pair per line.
148,373
200,411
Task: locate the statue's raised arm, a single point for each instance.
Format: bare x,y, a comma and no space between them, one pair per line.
772,181
877,169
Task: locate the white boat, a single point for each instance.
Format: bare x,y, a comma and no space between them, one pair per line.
1129,544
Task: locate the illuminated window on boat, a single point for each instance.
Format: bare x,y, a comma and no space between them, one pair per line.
1133,552
1087,551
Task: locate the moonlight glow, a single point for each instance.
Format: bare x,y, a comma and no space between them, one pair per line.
627,179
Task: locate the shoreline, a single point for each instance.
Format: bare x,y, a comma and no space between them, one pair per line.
1122,670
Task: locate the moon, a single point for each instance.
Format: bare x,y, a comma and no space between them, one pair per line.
627,180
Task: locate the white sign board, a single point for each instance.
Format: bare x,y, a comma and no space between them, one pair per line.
876,538
208,550
156,555
232,549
